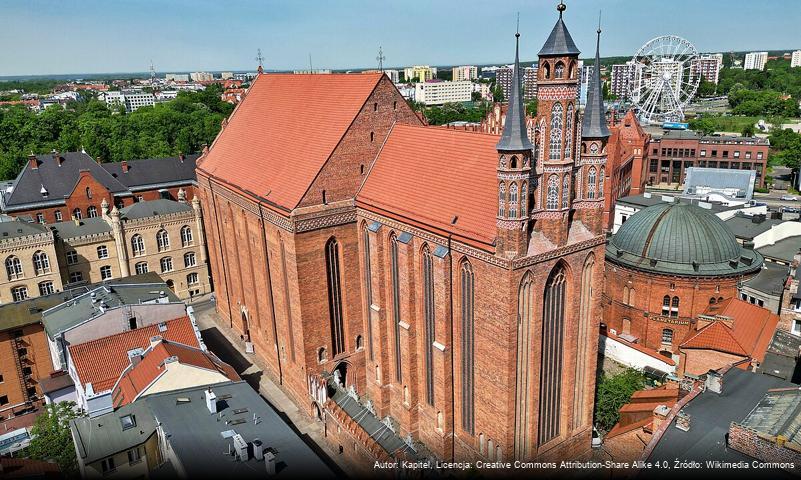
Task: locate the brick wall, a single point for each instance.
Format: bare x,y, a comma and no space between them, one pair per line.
34,340
761,447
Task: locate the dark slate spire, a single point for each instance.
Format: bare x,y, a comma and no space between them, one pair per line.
593,125
514,135
559,42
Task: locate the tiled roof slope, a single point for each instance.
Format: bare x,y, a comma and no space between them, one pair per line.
433,175
102,361
284,130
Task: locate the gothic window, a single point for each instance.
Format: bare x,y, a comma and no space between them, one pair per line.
501,199
163,240
591,177
566,192
666,305
569,132
601,176
88,193
513,200
467,299
524,199
572,69
41,263
334,296
14,268
137,245
186,236
559,70
594,148
396,308
523,413
368,288
547,70
553,319
674,307
552,201
428,310
584,331
287,307
555,147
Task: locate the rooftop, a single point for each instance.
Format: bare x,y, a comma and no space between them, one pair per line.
783,250
747,227
19,228
778,414
770,280
153,208
730,183
146,172
83,227
99,437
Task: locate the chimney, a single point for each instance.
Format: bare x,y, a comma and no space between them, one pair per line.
258,449
660,415
124,165
211,401
155,340
683,421
269,462
33,161
758,218
714,382
748,244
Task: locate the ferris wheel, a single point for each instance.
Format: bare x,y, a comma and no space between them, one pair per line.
664,77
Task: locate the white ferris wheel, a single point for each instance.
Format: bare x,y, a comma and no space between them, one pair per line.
664,79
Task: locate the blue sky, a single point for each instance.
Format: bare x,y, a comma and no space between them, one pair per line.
93,36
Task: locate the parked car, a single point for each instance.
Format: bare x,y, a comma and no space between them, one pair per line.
789,198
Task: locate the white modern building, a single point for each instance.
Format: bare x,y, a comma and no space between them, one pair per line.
622,79
755,61
393,75
465,72
201,76
177,77
795,59
438,93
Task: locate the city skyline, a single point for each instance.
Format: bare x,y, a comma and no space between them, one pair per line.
478,33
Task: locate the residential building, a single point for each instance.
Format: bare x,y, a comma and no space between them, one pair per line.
422,73
586,76
791,304
177,77
393,75
676,150
708,67
226,75
503,77
438,93
795,60
766,288
755,61
201,76
465,73
136,100
622,79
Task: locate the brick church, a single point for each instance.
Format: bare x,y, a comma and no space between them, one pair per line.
425,292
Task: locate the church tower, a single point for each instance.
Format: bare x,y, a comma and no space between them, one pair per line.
557,95
591,165
514,173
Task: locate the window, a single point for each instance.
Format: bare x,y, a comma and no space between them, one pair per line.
166,264
501,199
747,155
759,155
41,263
667,336
585,330
591,178
552,200
372,136
428,310
105,272
796,327
57,214
128,421
555,146
72,257
524,200
334,296
4,400
40,218
162,240
189,259
396,307
737,154
601,175
91,212
569,132
14,268
76,277
368,288
134,455
19,293
46,288
88,193
566,192
552,338
192,279
137,245
107,465
77,214
559,70
186,236
467,299
674,307
141,268
666,305
102,252
513,200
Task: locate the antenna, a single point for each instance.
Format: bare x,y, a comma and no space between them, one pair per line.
380,59
518,22
311,68
260,59
152,73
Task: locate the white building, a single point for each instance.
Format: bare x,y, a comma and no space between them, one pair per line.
465,72
227,75
622,79
393,75
708,67
755,61
586,76
795,60
201,76
137,100
177,77
437,93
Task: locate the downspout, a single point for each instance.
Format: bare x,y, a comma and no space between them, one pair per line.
272,303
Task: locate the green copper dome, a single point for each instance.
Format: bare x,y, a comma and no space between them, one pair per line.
680,239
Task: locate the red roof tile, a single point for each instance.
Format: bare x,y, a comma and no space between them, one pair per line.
27,468
102,361
431,176
284,130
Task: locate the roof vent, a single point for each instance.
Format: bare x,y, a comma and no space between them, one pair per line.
705,205
211,401
646,195
258,449
269,461
241,447
668,199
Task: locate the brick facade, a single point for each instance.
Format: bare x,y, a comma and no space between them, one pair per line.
24,359
762,447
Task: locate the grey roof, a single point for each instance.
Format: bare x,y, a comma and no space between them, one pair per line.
797,294
154,171
783,249
770,280
559,41
86,226
153,208
593,125
195,436
515,136
682,239
99,437
781,359
719,179
777,414
710,417
18,228
747,227
641,200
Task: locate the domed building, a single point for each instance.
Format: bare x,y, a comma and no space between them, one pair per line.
668,264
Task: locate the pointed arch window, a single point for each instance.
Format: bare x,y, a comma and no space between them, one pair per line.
523,413
513,200
368,289
582,353
467,299
553,320
396,307
91,212
334,296
566,192
501,199
559,70
591,177
428,310
666,305
186,236
552,201
569,132
601,176
41,263
524,199
555,147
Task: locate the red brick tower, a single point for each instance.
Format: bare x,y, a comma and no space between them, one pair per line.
557,92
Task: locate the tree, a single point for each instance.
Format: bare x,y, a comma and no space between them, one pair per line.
497,93
748,130
704,126
51,438
475,96
706,89
612,392
531,107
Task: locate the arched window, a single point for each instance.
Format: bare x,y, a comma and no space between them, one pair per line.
501,199
555,146
141,268
712,301
601,176
186,236
467,299
46,288
666,305
322,355
513,200
584,332
591,178
569,132
428,310
552,200
559,70
137,245
524,199
102,252
368,289
626,294
91,212
166,264
491,449
481,443
547,70
674,307
334,296
192,279
523,410
667,337
14,268
163,240
513,162
632,291
572,70
189,259
396,306
41,263
19,294
359,342
553,323
566,192
77,214
88,193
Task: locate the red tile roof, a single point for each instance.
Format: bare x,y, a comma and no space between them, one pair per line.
429,176
749,336
284,130
102,361
27,468
135,380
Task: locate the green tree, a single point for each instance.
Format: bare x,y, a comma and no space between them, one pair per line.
51,438
475,96
748,131
497,93
706,89
531,107
704,126
612,392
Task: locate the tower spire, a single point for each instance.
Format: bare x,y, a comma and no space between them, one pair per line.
593,125
514,135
